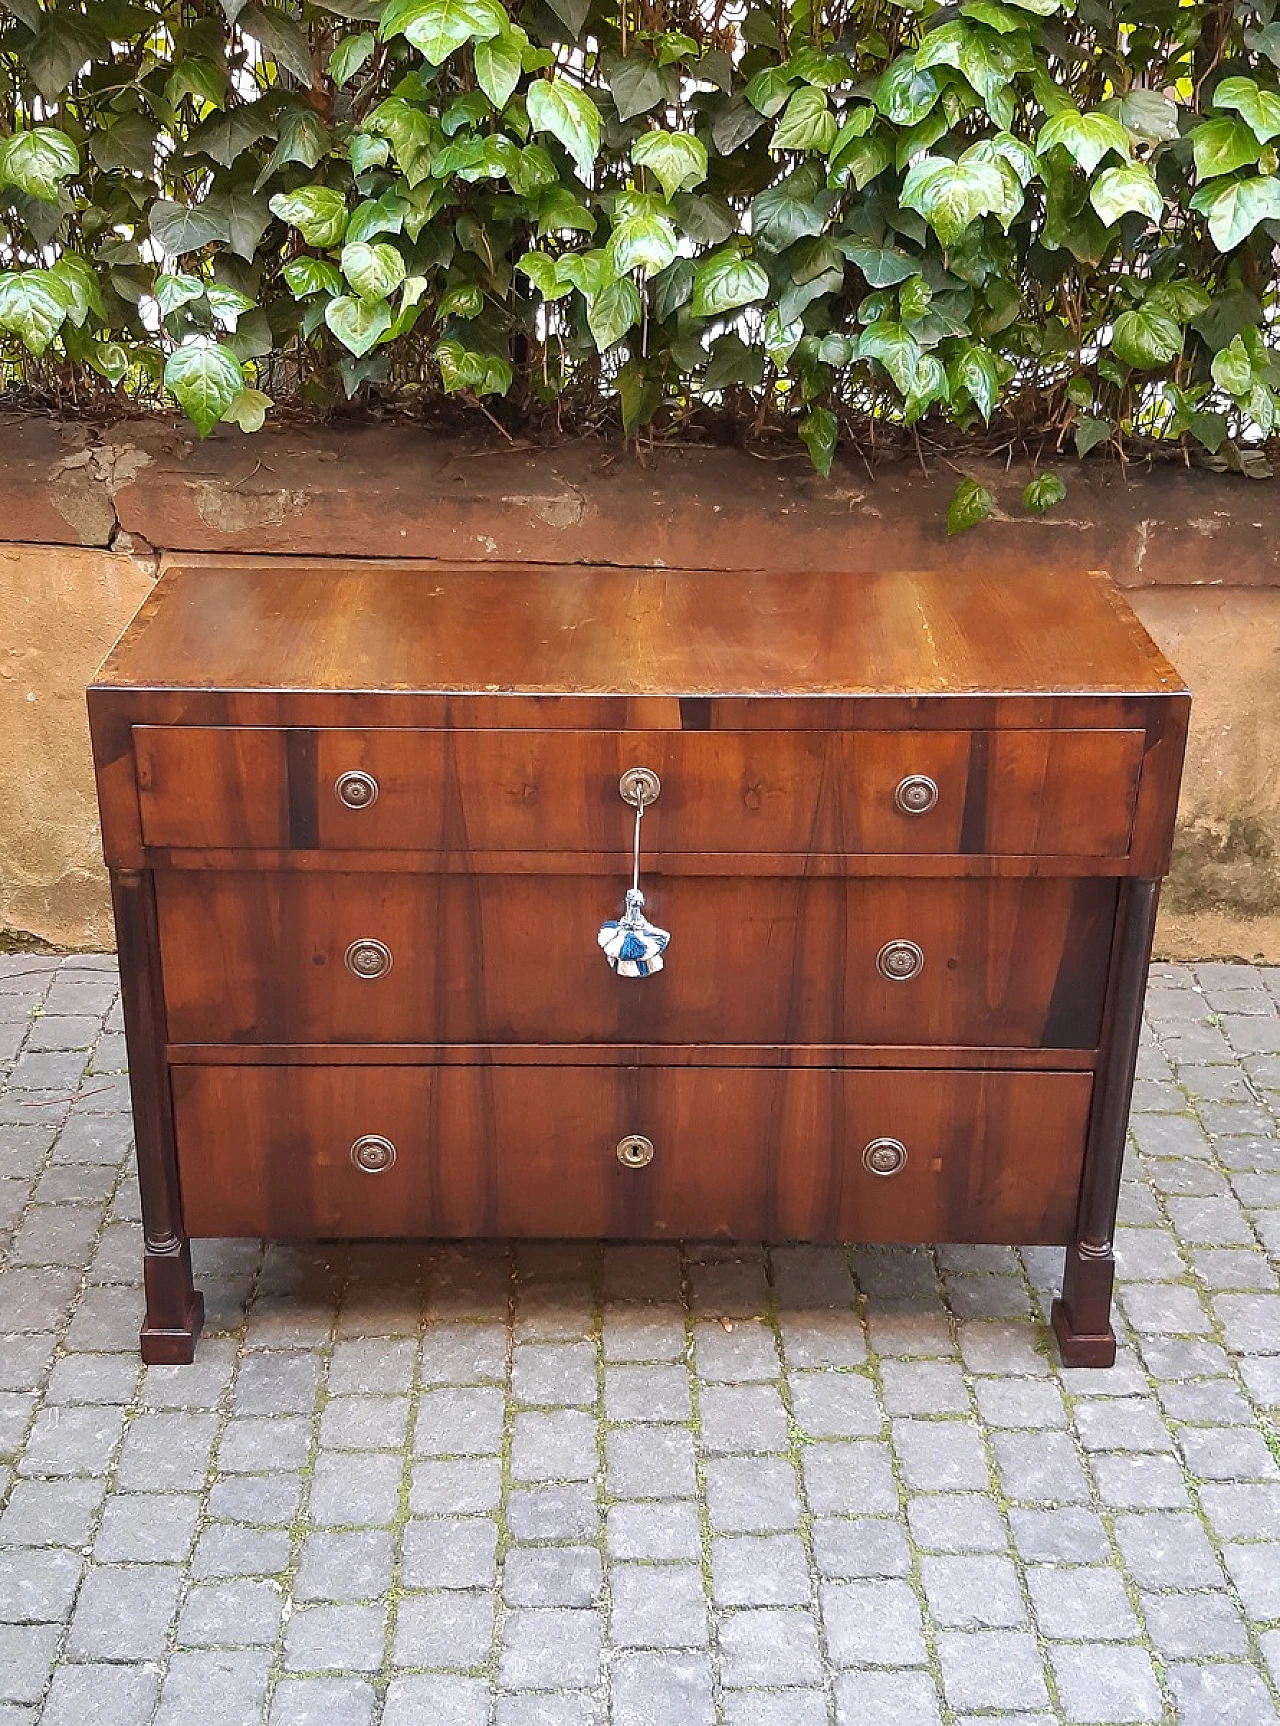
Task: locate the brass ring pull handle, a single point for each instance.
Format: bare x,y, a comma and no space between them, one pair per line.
885,1157
356,790
900,961
916,794
640,786
631,943
372,1154
634,1151
368,959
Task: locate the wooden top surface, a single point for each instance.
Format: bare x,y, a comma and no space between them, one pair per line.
554,630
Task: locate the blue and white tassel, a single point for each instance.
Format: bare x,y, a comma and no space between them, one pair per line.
632,945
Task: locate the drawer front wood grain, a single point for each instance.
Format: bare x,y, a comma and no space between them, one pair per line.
944,793
735,1153
277,958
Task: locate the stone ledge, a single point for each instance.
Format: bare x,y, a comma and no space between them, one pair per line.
398,491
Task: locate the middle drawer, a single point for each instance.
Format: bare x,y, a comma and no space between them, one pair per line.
306,958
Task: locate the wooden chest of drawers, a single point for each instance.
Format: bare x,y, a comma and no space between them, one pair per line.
364,822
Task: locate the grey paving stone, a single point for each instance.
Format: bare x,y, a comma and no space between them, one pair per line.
820,1339
559,1445
549,1648
761,1570
259,1445
941,1455
565,1708
166,1452
653,1531
850,1479
657,1689
1207,1402
553,1512
1121,1423
335,1639
742,1417
886,1699
364,1423
991,1669
644,1333
33,1299
650,1462
240,1614
1227,1453
973,1592
835,1405
451,1630
872,1624
450,1552
109,1378
848,1548
1255,1570
647,1393
641,1271
464,1486
210,1685
748,1495
323,1702
1242,1512
264,1500
777,1647
1105,1683
227,1549
1167,1549
1040,1467
657,1606
775,1708
1136,1482
561,1374
552,1576
56,1236
736,1354
124,1612
105,1695
16,1408
1194,1626
956,1522
367,1496
1227,1695
1081,1603
1064,1535
1003,1348
444,1701
459,1422
26,1657
730,1288
51,1512
923,1387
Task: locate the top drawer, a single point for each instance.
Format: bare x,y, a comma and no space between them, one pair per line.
998,793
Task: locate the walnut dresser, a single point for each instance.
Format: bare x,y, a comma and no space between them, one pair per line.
906,833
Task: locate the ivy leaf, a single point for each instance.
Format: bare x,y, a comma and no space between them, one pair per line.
1150,114
541,271
175,291
613,311
437,28
559,212
882,266
906,93
1043,492
639,396
283,38
819,431
677,159
570,116
636,83
952,195
736,122
1221,146
349,56
1146,339
1117,191
807,123
794,209
673,288
1089,433
643,240
33,307
975,372
178,229
970,504
307,276
358,324
726,281
1235,210
1260,108
318,212
205,379
127,142
498,64
1086,138
861,161
414,136
461,368
374,271
897,350
1233,369
249,410
37,161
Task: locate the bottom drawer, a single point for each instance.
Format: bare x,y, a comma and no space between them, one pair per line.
744,1153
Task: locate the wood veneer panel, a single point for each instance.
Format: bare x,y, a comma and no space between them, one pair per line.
494,959
739,1153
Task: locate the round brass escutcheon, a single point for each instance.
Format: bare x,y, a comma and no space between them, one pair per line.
640,785
372,1154
900,961
356,790
916,794
635,1151
368,958
884,1157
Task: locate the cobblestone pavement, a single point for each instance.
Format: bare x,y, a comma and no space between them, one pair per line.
560,1486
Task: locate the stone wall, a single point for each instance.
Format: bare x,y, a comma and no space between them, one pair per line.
87,514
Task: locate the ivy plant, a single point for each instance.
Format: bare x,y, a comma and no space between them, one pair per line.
831,216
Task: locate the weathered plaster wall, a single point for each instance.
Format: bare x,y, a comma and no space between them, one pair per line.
60,610
1200,556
